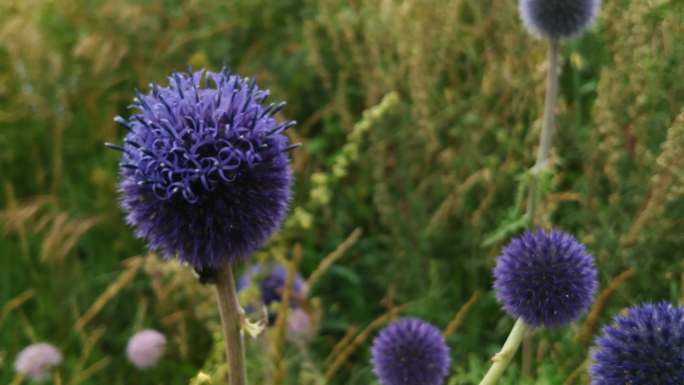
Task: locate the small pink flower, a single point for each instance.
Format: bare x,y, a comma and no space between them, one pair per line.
145,348
35,361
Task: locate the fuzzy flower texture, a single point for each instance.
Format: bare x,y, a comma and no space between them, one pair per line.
644,347
545,278
37,360
145,348
205,173
410,352
557,19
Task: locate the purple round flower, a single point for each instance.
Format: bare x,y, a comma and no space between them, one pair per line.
556,19
271,281
145,348
545,278
645,347
410,352
37,360
205,173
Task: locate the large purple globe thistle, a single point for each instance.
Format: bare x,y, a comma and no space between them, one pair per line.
205,173
556,19
409,352
37,360
645,347
545,278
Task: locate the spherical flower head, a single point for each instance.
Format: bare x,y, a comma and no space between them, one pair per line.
557,19
545,278
205,173
271,281
644,347
145,348
37,360
409,352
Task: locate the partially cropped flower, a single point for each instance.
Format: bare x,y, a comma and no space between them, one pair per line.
644,347
145,348
205,173
409,352
271,282
557,19
37,360
545,278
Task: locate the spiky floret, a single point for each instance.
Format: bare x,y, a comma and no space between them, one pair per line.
644,347
557,19
545,278
205,173
409,352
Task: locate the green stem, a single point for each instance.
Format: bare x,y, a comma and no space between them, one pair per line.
504,356
515,338
546,134
231,320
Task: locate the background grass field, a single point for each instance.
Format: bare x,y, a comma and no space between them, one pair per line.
418,119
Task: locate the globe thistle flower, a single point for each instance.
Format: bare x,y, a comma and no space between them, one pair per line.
145,348
557,19
205,173
644,347
408,352
545,278
37,360
271,282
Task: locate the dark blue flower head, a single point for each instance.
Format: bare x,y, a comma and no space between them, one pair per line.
205,173
645,347
410,352
557,19
271,282
545,278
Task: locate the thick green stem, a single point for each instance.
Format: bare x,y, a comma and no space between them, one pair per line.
231,320
504,356
546,133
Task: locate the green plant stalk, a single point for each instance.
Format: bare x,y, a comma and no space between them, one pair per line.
517,334
231,321
546,136
504,356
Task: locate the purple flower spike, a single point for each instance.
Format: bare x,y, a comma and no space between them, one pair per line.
545,278
145,348
557,19
205,173
410,352
645,347
37,360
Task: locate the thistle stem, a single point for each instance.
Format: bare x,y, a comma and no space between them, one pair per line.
231,319
546,133
504,356
515,338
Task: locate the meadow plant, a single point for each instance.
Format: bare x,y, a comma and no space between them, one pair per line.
145,348
205,176
36,361
544,279
410,351
643,347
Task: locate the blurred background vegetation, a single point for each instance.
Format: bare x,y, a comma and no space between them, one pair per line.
418,120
